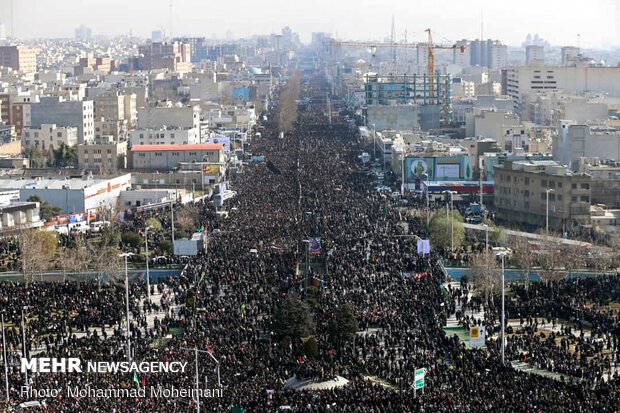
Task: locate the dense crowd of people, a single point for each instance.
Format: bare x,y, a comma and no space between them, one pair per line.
224,302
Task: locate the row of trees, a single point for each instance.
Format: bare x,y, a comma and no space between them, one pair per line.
293,322
63,156
286,112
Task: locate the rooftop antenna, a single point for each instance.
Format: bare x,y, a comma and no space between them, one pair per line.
12,19
578,43
392,41
170,22
481,26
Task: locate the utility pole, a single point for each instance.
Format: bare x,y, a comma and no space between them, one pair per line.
219,383
172,213
547,214
125,255
6,362
148,275
24,350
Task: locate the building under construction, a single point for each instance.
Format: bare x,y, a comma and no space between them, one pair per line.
409,90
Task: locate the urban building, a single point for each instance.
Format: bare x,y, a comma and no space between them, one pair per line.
16,215
169,116
73,195
578,78
15,110
19,58
106,154
175,56
569,55
574,141
522,189
534,55
98,64
167,136
56,110
605,186
488,53
83,33
165,157
49,136
114,106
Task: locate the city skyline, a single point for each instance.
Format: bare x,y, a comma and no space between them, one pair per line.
552,20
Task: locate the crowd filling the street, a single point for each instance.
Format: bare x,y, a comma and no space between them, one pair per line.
315,276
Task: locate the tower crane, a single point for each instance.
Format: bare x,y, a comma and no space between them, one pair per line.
430,64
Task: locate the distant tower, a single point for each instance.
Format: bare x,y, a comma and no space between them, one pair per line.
170,22
393,41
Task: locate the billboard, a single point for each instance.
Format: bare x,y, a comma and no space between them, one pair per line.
438,168
73,218
210,169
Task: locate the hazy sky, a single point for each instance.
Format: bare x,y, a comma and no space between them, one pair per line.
557,21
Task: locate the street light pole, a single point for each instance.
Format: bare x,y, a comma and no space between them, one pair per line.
486,237
6,365
503,313
125,255
503,317
148,275
452,223
374,143
547,214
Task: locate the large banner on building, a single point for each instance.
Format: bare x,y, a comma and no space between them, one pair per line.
438,168
210,169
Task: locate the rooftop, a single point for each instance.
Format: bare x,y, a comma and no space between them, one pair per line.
195,147
50,183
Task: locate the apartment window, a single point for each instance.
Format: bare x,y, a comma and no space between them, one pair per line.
59,135
27,134
585,186
551,184
158,154
543,196
526,193
526,205
142,136
85,151
172,136
573,199
559,184
560,197
109,150
543,183
527,181
552,197
573,186
584,198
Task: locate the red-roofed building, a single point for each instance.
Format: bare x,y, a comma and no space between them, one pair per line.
165,157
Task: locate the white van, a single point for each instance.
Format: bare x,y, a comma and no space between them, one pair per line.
98,226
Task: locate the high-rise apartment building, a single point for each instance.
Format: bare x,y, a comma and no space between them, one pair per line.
54,109
175,56
534,55
19,58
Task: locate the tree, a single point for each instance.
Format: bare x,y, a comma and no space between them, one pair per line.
131,239
486,278
574,258
523,256
34,155
110,238
63,156
36,249
166,247
293,319
46,210
311,349
549,259
497,235
153,222
342,327
104,259
185,219
441,230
